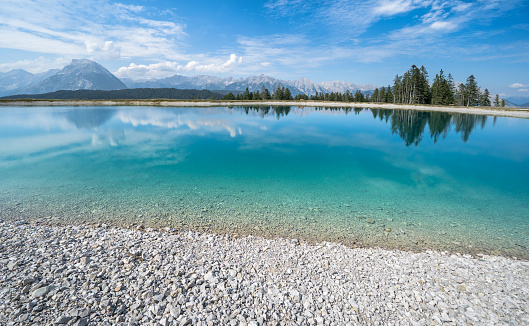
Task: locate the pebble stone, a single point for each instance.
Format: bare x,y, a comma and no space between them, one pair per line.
150,277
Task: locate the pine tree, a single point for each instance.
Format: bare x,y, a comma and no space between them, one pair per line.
497,100
287,96
375,97
485,98
389,95
472,91
229,97
279,94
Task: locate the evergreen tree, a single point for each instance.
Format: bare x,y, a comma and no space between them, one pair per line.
246,95
279,94
472,91
359,97
497,100
389,95
441,93
229,97
375,97
485,98
382,94
256,96
287,96
502,103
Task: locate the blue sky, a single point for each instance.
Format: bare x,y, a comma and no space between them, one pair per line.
364,42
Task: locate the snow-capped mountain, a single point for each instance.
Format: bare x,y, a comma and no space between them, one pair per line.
80,74
16,80
254,83
87,74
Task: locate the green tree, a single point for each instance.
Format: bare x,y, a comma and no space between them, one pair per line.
287,95
229,97
359,97
441,93
497,100
485,98
472,91
279,94
375,97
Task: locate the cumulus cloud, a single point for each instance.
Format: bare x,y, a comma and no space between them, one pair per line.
169,68
518,85
105,49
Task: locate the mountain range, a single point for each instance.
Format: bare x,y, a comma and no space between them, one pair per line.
517,102
89,75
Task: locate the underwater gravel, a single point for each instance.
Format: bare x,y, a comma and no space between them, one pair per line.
97,275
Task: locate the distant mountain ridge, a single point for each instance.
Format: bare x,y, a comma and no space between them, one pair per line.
254,83
80,74
89,75
517,102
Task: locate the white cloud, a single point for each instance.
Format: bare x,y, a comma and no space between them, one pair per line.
443,25
389,8
131,8
38,65
91,28
523,90
106,49
169,68
518,85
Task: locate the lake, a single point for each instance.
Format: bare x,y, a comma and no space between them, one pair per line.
397,179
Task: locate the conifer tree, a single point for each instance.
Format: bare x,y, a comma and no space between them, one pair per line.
497,100
485,98
287,95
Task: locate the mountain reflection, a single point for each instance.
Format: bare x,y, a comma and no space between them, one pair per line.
410,125
89,119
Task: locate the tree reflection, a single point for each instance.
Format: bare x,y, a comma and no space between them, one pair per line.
410,125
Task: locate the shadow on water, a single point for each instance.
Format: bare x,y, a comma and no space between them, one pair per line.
409,125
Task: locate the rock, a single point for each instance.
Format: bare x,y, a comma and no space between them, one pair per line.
81,322
62,320
84,260
83,312
371,221
40,292
12,264
388,230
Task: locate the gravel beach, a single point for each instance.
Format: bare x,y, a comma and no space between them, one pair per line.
97,275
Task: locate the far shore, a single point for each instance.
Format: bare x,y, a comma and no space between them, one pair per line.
492,111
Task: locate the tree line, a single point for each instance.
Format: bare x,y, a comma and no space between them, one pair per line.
413,87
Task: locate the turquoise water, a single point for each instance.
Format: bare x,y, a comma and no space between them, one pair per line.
364,177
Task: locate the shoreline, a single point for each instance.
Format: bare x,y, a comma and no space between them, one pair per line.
98,274
491,111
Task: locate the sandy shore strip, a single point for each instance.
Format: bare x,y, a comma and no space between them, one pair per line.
492,111
97,275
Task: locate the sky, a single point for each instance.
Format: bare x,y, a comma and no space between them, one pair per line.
363,42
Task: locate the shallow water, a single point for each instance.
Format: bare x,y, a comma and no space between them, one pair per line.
390,178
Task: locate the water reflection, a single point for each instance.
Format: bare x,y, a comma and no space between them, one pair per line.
89,119
410,125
